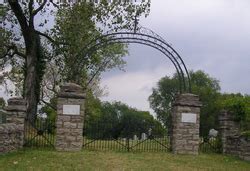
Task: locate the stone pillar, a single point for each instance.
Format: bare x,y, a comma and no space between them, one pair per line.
228,128
185,124
70,114
16,113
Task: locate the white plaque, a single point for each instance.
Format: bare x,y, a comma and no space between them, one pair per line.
188,117
71,109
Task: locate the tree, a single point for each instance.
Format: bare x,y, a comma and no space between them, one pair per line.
32,59
202,84
76,28
25,49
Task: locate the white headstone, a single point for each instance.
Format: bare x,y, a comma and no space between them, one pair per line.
143,136
188,117
213,133
150,131
71,109
135,137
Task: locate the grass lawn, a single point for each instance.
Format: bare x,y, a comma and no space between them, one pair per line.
107,160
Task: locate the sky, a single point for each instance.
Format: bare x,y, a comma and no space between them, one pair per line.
210,35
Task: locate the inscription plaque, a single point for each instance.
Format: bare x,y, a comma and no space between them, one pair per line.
188,117
71,109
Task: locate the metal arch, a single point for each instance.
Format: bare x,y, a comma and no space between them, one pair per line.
112,41
143,43
147,37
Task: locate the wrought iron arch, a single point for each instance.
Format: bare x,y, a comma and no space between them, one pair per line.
146,37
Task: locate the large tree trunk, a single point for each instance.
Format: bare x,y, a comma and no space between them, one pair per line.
32,87
33,54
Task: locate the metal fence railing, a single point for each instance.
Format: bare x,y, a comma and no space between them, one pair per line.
109,136
210,145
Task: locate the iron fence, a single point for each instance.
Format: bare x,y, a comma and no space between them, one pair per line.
210,145
39,133
109,136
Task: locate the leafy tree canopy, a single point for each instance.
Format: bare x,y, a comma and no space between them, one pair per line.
27,26
202,84
239,106
118,120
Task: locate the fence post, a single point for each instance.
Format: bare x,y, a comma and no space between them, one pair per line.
70,114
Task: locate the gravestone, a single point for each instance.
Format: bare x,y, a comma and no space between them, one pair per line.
150,131
143,136
70,114
213,133
185,117
135,138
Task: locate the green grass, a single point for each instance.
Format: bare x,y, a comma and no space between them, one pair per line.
106,160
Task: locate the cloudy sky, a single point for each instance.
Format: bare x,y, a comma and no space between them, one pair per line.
210,35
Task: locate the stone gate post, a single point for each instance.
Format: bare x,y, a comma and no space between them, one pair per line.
12,132
16,111
70,114
185,124
228,128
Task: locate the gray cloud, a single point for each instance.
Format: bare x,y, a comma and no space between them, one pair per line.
211,35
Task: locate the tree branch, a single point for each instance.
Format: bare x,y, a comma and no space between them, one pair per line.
16,8
16,52
49,38
48,104
31,19
55,5
20,54
39,8
105,63
11,51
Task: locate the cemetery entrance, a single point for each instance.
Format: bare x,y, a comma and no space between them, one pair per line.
105,135
72,134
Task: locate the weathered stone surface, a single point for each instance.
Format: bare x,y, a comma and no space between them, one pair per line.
11,133
187,100
16,108
11,137
71,91
185,135
232,142
17,101
70,125
71,87
63,118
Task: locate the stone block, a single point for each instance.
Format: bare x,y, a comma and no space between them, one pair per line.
80,125
79,138
69,125
59,123
76,144
16,108
70,138
193,131
62,131
63,118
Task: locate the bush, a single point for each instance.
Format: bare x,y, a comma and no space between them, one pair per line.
246,134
